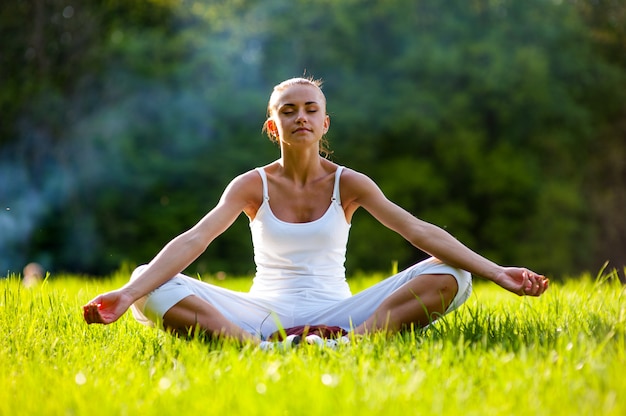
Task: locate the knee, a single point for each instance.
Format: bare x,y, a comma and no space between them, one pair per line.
442,289
447,287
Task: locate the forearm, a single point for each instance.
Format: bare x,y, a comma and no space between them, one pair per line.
171,260
440,244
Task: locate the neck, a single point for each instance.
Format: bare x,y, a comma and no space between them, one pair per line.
301,166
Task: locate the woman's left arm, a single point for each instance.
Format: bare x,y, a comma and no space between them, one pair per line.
436,241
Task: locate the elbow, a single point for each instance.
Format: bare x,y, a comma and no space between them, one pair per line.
428,236
199,243
191,242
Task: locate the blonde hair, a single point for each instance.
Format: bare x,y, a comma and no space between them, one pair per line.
317,83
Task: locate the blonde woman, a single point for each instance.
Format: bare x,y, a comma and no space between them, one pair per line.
300,209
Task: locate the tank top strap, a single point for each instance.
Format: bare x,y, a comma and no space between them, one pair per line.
336,194
266,195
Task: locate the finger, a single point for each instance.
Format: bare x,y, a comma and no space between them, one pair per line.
95,310
534,286
527,284
85,317
536,289
92,314
540,285
88,313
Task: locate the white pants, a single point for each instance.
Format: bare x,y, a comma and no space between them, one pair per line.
264,314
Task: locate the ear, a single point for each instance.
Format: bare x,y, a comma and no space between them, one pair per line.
271,127
326,124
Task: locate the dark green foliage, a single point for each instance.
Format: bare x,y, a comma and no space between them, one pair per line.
499,121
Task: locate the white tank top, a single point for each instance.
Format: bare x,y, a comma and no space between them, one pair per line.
301,259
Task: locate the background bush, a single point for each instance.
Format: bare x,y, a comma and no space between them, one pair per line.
501,121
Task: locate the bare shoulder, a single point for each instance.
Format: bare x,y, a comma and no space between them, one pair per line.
362,191
358,190
246,186
356,183
248,179
246,192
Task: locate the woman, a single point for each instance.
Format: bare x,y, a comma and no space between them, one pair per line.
300,208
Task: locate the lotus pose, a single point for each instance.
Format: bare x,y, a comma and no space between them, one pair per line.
300,209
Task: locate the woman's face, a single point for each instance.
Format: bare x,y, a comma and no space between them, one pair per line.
299,115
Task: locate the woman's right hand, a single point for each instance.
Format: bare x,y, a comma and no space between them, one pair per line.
107,308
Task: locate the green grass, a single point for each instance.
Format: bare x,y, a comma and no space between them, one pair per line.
561,354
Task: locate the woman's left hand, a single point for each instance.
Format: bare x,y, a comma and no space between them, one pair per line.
522,282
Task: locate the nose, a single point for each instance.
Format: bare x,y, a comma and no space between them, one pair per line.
301,117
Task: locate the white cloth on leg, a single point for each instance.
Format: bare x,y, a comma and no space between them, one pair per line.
262,314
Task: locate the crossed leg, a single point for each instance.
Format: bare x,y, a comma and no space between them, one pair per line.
419,302
193,313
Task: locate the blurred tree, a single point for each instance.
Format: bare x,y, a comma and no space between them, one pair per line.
605,180
129,118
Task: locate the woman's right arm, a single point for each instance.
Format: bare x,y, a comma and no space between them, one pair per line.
177,255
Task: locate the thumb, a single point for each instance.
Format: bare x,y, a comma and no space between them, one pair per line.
526,284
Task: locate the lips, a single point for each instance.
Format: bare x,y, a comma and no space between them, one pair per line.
302,129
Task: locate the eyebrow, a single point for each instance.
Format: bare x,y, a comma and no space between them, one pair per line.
293,105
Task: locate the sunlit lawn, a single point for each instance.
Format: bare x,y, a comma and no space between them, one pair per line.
500,354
